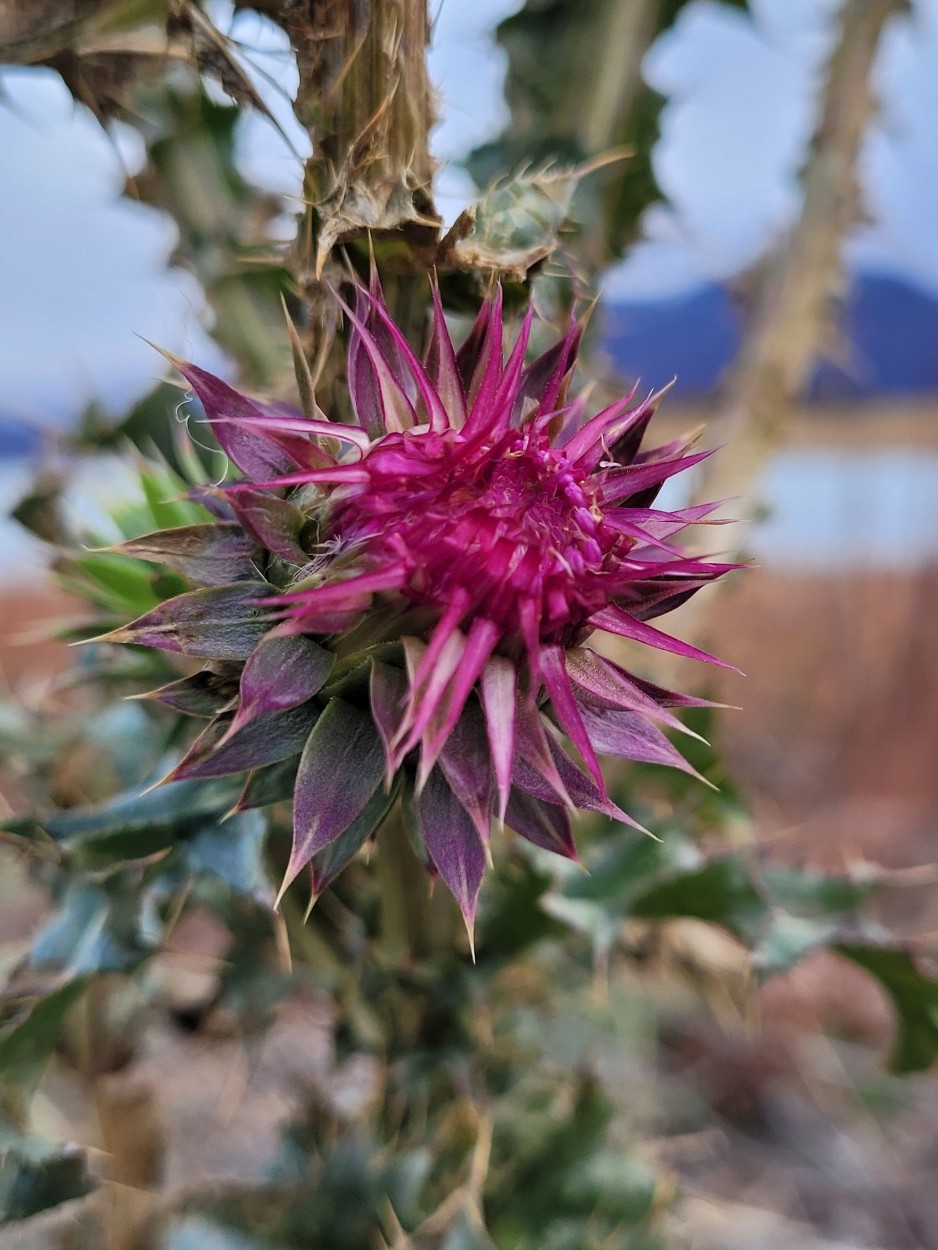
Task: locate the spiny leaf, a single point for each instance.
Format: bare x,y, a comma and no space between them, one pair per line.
453,844
96,929
118,825
341,767
224,748
213,554
271,521
330,862
203,694
220,623
282,673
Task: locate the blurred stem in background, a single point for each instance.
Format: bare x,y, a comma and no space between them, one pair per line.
457,1050
792,317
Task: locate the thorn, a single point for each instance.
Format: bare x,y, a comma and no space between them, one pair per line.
423,775
304,378
288,879
108,550
176,361
121,634
234,728
156,784
282,941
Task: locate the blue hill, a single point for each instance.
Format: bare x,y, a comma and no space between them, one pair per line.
889,326
17,439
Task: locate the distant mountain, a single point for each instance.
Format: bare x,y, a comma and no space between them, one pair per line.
889,329
17,439
889,326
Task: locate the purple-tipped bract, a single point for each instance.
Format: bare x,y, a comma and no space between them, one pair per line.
417,592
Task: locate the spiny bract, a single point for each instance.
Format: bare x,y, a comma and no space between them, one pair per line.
399,607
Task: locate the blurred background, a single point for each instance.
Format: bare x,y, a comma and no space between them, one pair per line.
768,239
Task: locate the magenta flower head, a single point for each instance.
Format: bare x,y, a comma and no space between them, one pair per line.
399,610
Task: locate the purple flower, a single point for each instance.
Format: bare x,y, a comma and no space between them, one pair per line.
415,595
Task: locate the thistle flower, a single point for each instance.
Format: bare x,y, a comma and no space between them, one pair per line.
398,608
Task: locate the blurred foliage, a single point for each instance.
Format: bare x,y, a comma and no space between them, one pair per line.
488,1077
35,1176
575,91
493,1120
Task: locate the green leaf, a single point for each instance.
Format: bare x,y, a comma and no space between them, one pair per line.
134,825
40,511
721,892
96,929
513,917
787,939
806,892
117,583
575,90
162,490
517,222
599,903
233,852
611,1184
915,998
35,1176
27,1043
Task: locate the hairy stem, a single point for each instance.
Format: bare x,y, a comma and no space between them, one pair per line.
364,96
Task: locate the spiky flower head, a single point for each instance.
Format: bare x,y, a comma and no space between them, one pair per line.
398,609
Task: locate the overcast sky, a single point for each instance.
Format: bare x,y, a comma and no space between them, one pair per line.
82,271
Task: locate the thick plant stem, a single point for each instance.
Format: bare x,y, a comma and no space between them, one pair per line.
364,96
415,921
792,317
